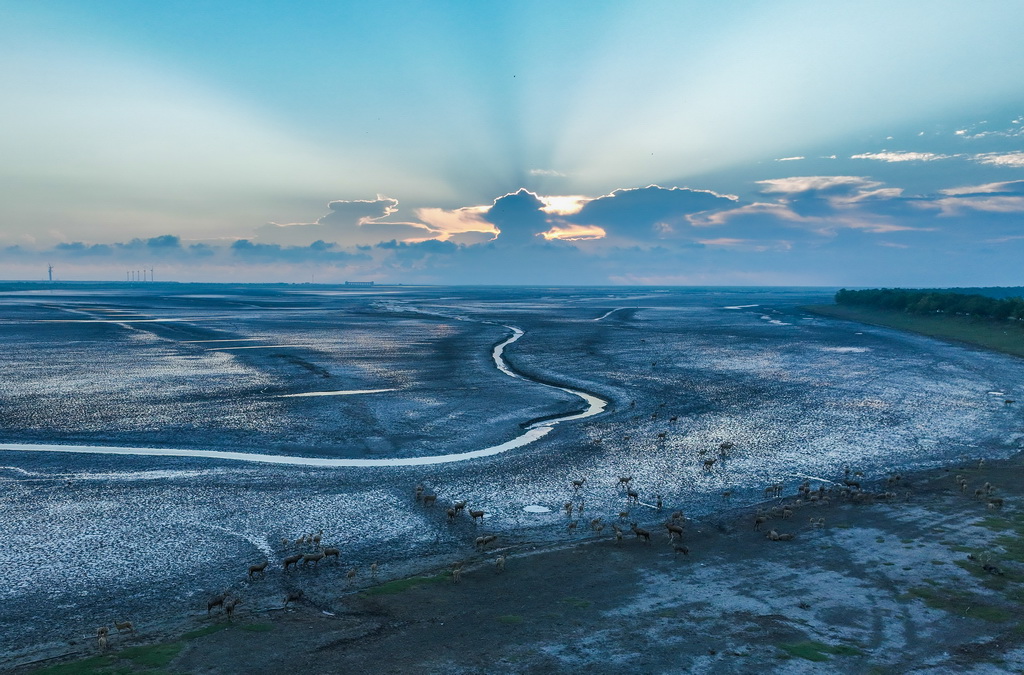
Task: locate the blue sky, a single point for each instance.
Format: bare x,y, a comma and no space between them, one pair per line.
591,142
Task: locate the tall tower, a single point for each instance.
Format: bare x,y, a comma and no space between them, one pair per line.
50,272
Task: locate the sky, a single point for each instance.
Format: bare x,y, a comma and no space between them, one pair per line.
644,143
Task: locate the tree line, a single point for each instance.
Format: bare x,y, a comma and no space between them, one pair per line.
935,302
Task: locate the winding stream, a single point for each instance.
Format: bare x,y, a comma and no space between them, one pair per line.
533,432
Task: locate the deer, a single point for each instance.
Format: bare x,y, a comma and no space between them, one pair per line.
499,564
476,514
571,527
216,601
293,596
291,560
568,506
428,500
312,558
640,533
351,575
123,626
577,485
674,531
633,496
451,514
624,481
330,551
709,464
229,606
258,569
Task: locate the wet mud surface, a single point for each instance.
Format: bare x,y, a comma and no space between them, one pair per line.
90,538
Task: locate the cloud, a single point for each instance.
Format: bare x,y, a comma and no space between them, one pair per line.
574,232
996,198
446,223
952,206
789,159
798,184
1003,187
564,205
1010,159
349,223
902,156
652,212
519,216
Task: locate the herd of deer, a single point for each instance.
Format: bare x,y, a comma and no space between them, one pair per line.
674,528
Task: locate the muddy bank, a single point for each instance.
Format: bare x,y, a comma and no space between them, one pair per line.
921,577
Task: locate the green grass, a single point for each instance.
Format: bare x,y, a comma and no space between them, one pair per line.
152,656
818,651
510,619
960,603
997,335
94,665
576,602
192,635
148,659
258,627
400,585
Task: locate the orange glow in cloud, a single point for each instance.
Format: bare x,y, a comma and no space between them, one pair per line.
466,219
574,232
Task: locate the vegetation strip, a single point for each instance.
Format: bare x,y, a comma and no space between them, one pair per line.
999,336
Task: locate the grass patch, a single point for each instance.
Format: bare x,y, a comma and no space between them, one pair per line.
576,602
510,619
994,523
152,656
214,628
997,335
938,562
400,585
94,665
258,627
818,651
960,603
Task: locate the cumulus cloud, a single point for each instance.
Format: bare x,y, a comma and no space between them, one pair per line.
564,205
349,222
789,159
446,223
652,212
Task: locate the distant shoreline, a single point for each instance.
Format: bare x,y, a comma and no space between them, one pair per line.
997,336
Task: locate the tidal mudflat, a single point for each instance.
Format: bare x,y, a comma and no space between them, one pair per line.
410,373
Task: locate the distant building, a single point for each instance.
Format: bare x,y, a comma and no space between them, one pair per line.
359,284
